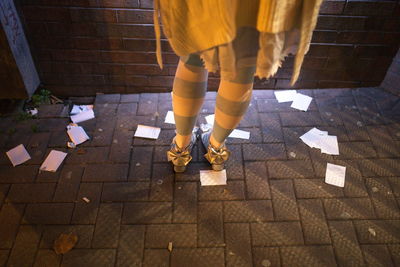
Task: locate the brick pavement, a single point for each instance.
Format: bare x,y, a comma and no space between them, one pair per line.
275,210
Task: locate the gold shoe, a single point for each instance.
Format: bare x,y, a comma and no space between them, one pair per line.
181,157
216,156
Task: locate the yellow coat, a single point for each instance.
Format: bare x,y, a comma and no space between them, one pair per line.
200,26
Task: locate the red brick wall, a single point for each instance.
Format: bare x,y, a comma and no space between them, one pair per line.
86,46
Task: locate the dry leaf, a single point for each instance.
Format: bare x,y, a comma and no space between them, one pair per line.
81,151
170,246
64,243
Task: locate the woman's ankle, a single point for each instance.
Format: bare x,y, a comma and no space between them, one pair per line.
182,141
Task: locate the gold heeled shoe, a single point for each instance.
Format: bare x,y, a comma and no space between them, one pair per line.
179,157
216,156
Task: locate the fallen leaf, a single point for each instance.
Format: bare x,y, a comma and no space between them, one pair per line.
64,243
170,246
372,231
81,151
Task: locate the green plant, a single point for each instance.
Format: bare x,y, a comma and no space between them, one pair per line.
23,116
42,97
35,128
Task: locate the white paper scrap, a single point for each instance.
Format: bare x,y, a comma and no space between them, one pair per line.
301,102
169,118
18,155
335,174
205,127
313,137
210,119
79,108
285,95
53,161
33,112
77,134
210,177
147,131
83,116
239,134
329,145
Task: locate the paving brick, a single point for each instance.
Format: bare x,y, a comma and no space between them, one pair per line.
4,257
314,223
128,98
127,109
3,192
271,128
48,213
107,98
52,232
52,124
290,169
257,186
382,198
394,251
185,203
86,213
284,200
87,257
234,166
147,213
58,139
10,217
131,244
386,231
181,235
384,144
310,118
272,105
264,151
24,193
298,151
106,232
37,147
156,257
356,150
68,183
197,257
22,174
377,255
234,190
251,117
238,244
162,183
109,173
346,208
140,164
380,167
120,150
308,256
25,246
47,257
344,240
129,122
265,256
88,155
395,185
103,133
316,188
210,224
276,234
192,172
123,192
248,211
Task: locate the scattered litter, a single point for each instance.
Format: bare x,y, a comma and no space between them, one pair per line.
239,134
335,175
100,130
231,253
169,118
301,102
205,127
18,155
359,124
86,199
345,215
115,141
211,177
77,134
64,243
292,154
71,145
316,138
53,161
32,112
372,231
83,116
179,187
159,182
137,164
375,189
147,131
328,113
285,95
266,263
170,246
80,108
210,119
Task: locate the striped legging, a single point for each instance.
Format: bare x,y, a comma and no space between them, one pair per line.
189,89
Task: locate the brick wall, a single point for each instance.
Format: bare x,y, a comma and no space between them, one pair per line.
86,46
391,82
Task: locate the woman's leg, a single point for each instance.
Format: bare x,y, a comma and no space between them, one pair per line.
189,89
233,98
